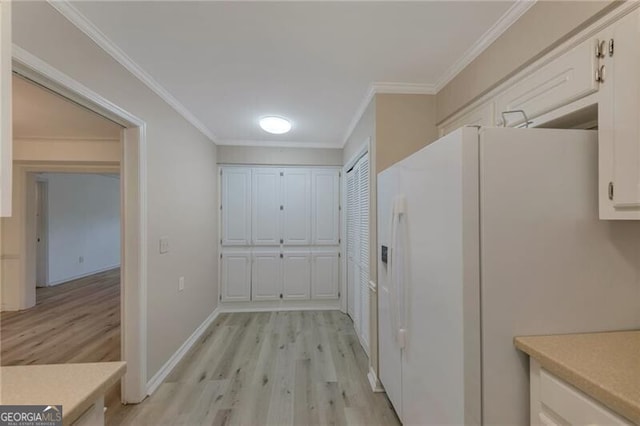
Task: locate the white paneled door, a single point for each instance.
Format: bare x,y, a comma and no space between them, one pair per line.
266,218
236,206
266,270
236,276
324,274
296,275
296,200
325,207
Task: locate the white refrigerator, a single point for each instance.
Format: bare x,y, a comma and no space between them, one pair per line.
486,234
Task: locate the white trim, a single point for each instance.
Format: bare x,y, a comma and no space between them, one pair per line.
74,16
6,121
133,169
177,356
231,307
404,88
376,386
277,144
77,277
497,29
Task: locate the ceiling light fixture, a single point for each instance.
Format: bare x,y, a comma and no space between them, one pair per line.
275,125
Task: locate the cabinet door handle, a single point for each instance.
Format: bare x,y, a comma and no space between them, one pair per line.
600,46
610,190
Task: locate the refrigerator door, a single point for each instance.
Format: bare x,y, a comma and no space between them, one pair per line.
389,354
431,263
549,265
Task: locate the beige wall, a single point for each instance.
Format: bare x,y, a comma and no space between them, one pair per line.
182,179
540,29
279,156
404,124
104,151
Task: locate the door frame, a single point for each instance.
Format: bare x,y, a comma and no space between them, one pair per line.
133,171
42,255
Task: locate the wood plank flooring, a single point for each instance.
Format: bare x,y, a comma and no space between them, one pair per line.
78,321
273,368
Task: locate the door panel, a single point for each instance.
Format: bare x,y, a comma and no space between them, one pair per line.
266,271
236,206
324,270
266,215
296,195
296,275
236,276
325,206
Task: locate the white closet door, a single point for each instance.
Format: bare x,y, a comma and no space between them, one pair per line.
296,196
236,276
266,271
324,274
266,215
363,193
325,206
236,206
296,271
351,240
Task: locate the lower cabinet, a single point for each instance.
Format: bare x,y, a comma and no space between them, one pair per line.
556,403
236,276
266,276
324,275
296,275
272,274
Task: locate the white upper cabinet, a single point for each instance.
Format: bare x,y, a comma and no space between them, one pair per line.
296,267
296,200
563,80
619,122
481,115
325,205
324,274
266,214
266,273
236,276
236,206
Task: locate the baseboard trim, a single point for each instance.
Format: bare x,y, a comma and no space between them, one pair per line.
77,277
232,309
171,363
376,386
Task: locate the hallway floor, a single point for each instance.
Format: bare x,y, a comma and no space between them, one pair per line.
276,368
78,321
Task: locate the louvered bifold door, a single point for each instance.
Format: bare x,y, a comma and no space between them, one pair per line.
363,195
351,240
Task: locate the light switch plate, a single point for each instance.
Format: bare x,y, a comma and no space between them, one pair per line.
164,245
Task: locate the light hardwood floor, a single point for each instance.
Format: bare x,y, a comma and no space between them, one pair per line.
273,368
78,321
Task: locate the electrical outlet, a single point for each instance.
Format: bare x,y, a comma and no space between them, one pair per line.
164,245
81,259
181,284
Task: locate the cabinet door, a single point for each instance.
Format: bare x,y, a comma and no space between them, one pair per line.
296,271
236,276
296,196
236,206
265,188
324,275
619,124
266,279
325,205
560,82
481,115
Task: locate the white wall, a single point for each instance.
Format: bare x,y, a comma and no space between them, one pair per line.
83,221
181,173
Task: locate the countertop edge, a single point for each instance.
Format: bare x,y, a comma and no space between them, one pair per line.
615,402
75,412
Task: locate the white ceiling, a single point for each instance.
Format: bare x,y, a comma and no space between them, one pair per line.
40,114
229,63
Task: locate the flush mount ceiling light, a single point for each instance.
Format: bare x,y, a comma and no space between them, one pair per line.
275,125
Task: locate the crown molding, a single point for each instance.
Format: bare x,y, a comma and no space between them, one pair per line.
276,144
73,15
497,29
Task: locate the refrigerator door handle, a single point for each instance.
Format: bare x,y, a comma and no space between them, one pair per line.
396,304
